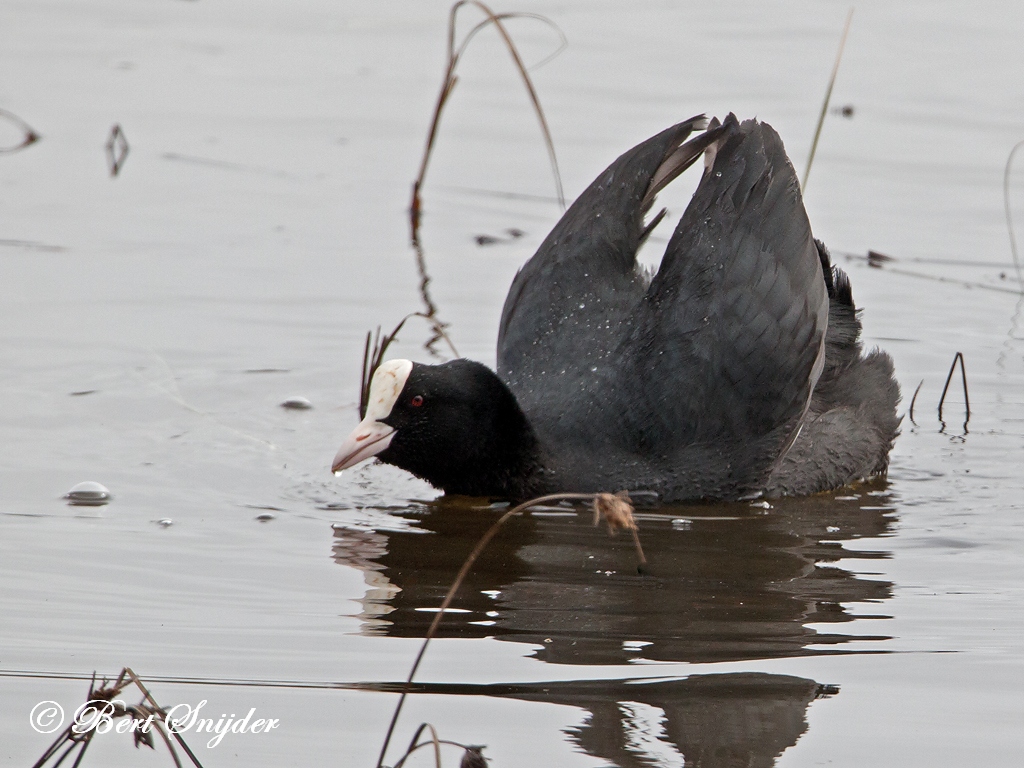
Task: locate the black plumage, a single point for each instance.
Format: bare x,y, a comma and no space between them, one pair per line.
735,370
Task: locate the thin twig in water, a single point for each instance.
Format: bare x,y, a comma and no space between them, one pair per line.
934,278
153,703
30,136
881,260
439,333
428,302
1009,217
415,746
463,572
967,402
828,96
914,400
448,84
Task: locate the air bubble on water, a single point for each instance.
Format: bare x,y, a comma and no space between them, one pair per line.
88,494
297,404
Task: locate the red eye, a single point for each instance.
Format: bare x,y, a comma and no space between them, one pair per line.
417,401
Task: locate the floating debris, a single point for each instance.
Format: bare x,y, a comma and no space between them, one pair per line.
473,758
876,259
297,404
616,511
117,150
88,494
28,136
266,517
512,234
32,245
165,522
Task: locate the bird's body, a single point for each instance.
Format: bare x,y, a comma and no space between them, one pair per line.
735,370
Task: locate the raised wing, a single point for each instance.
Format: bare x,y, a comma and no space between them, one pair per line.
567,308
727,344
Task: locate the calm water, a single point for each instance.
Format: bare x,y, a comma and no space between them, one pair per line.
152,325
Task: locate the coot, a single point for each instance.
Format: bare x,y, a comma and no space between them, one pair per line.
734,371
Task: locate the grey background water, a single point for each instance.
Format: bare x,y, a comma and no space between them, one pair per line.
152,323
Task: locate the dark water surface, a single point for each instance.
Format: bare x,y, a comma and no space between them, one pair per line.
152,324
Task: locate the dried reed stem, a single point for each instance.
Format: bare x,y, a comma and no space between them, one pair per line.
1009,217
448,84
914,400
463,572
420,745
108,694
828,96
967,402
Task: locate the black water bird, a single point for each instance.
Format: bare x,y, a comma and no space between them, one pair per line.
734,371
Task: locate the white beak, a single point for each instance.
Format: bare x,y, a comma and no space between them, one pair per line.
372,436
368,439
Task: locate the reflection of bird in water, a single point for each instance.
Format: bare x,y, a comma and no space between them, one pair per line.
711,721
727,582
722,582
736,370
